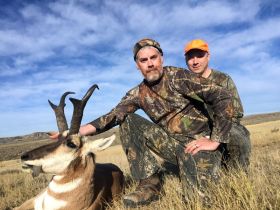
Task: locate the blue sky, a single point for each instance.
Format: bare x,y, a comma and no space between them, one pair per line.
49,47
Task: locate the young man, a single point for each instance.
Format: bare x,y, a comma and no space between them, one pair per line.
177,132
237,151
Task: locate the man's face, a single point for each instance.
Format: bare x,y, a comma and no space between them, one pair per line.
197,61
149,61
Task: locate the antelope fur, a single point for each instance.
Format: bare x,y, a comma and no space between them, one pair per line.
78,182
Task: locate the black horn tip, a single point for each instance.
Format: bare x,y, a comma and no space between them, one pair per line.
89,92
62,103
75,102
67,93
93,87
74,99
52,105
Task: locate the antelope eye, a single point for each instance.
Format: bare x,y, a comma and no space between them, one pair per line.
71,144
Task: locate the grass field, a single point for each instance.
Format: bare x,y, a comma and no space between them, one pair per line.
257,191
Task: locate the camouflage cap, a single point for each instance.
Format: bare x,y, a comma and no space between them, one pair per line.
143,43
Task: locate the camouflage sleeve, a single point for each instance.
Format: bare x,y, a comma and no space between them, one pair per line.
237,104
198,88
128,104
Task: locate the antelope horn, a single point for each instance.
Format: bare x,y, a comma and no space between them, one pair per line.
79,106
59,113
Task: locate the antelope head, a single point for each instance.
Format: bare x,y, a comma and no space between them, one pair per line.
69,152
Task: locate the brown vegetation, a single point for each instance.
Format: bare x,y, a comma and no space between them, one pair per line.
260,118
258,190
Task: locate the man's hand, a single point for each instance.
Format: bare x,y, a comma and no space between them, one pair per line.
84,131
55,135
203,143
87,130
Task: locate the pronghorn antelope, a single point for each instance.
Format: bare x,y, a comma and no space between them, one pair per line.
78,182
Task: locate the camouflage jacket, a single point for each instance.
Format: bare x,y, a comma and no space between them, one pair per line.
225,81
168,104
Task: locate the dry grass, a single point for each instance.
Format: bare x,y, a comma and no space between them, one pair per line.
259,190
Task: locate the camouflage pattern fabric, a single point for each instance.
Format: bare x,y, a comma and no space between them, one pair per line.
175,121
168,104
144,43
238,150
225,81
139,137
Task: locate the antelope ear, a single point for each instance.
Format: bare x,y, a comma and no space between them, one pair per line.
101,144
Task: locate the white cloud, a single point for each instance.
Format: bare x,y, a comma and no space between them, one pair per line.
69,45
253,39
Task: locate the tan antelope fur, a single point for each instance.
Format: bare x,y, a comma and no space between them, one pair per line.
78,182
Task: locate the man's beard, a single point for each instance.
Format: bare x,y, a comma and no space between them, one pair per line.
153,77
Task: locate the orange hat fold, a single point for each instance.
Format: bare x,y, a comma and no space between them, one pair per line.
197,44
